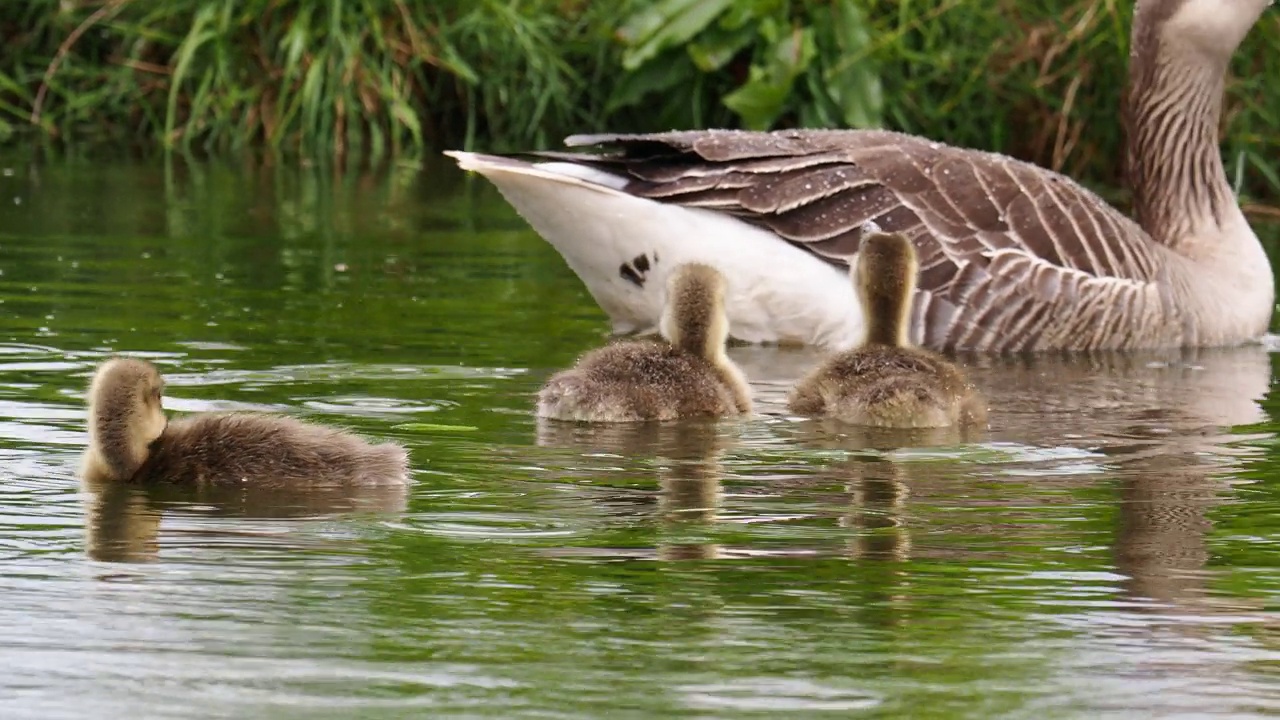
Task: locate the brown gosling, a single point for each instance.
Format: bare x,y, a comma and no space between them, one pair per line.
131,440
687,375
888,382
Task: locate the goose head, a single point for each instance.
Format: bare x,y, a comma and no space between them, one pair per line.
693,316
1209,29
125,415
884,277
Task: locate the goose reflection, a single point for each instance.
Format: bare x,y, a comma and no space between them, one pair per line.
1162,421
123,522
1159,422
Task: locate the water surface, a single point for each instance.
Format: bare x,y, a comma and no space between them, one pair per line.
1107,548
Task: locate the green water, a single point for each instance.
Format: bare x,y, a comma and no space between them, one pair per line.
1108,548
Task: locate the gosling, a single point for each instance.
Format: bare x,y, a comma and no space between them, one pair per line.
887,382
687,374
131,440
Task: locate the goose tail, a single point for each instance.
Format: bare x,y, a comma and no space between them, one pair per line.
623,247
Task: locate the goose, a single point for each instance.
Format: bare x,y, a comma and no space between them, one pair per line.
1013,257
131,440
887,382
688,375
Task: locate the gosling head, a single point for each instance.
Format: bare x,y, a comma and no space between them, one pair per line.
693,317
884,276
1213,29
125,414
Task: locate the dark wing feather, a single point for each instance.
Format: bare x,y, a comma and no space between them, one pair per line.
1001,243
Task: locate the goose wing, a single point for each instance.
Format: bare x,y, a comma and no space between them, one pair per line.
1012,256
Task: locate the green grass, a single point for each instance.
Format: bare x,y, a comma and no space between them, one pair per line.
372,78
311,76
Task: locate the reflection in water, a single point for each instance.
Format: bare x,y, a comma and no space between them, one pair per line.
1149,417
1155,416
689,478
122,522
1087,553
121,525
830,434
878,494
1162,527
690,493
1048,396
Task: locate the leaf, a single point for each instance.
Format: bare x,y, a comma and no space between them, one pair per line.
649,78
822,111
745,12
1263,166
407,118
433,427
717,46
677,22
765,95
851,82
795,51
759,101
196,37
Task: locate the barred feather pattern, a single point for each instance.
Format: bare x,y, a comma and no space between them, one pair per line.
1012,256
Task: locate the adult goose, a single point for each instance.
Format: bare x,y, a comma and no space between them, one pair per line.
1013,257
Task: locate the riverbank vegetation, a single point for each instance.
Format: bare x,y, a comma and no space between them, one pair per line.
1041,81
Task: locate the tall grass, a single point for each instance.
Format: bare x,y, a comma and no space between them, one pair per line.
316,76
1041,81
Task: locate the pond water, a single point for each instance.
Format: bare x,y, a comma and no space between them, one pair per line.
1107,548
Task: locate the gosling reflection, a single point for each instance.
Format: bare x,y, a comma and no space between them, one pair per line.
877,515
121,525
675,439
687,456
835,435
689,502
123,522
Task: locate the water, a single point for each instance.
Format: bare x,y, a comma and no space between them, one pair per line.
1108,548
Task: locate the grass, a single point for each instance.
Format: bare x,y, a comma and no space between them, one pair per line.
311,76
319,78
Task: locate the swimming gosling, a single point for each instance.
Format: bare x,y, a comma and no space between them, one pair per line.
131,440
887,382
687,375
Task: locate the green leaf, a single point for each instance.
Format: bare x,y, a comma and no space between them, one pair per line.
1264,167
759,101
665,25
650,78
717,46
408,119
765,95
433,427
794,52
851,83
748,12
